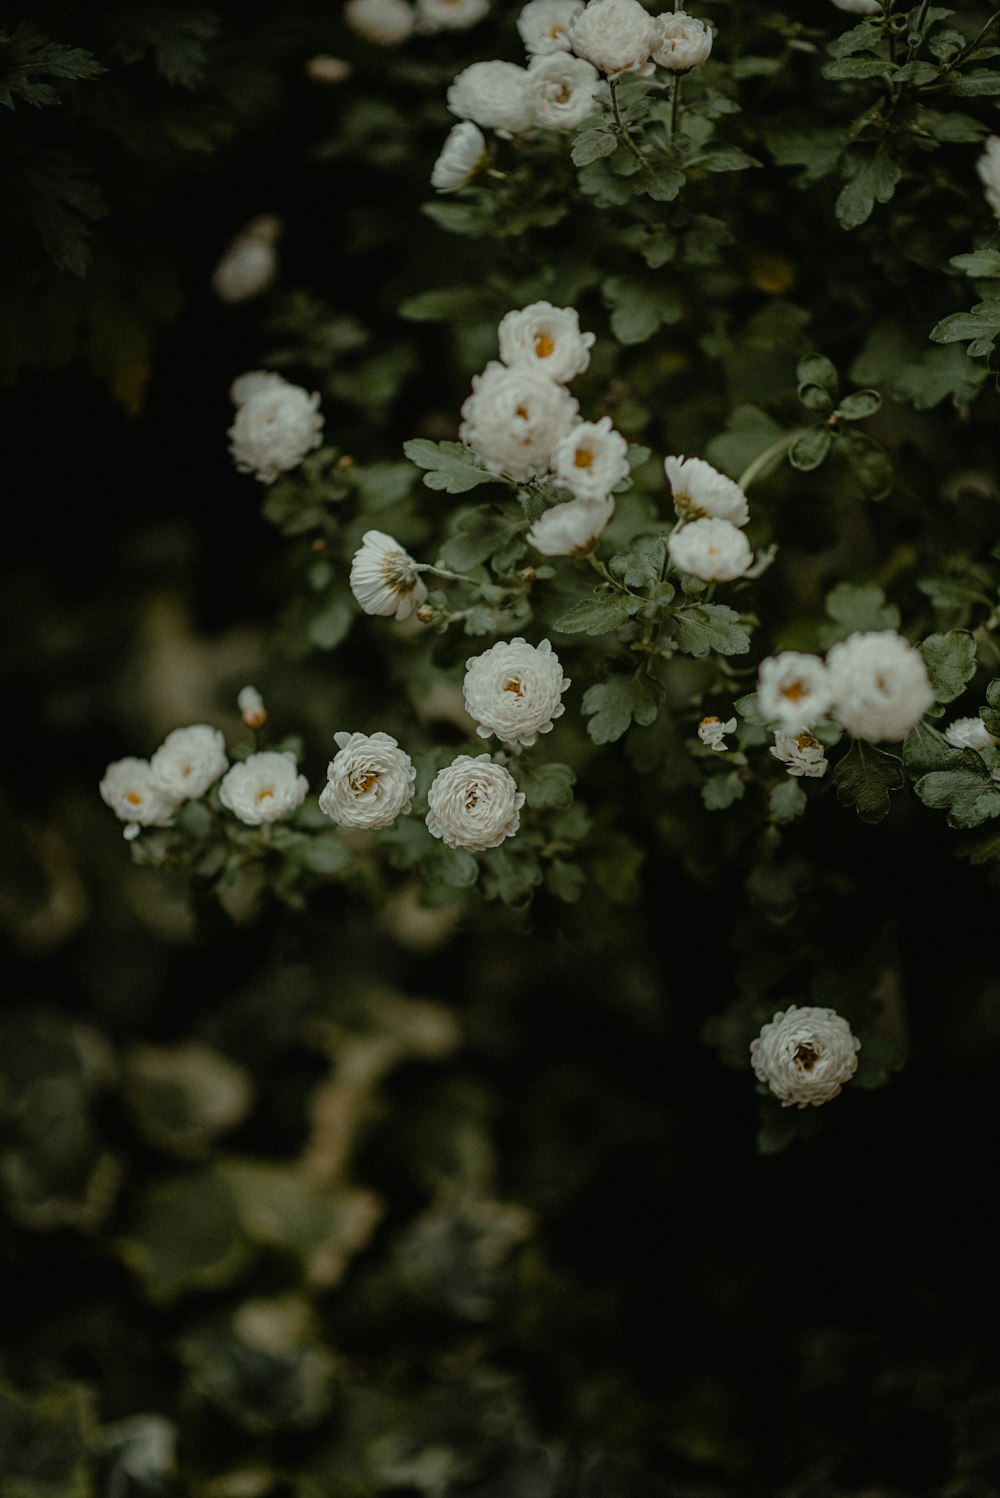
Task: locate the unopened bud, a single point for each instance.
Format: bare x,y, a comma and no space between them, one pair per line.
251,705
528,574
345,461
426,614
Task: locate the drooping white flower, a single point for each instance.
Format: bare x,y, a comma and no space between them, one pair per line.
515,419
474,804
793,689
561,88
515,690
547,339
714,550
805,1055
188,761
880,684
591,460
494,95
682,41
617,36
698,489
800,753
450,15
369,781
543,25
462,156
251,706
263,787
134,797
250,264
970,733
712,731
383,22
255,382
326,69
571,529
384,577
275,426
859,7
988,171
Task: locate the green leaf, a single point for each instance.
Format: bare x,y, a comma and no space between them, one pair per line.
861,404
809,450
612,706
701,628
968,792
974,85
479,534
47,1443
869,462
857,606
545,784
925,749
722,790
27,58
598,615
328,628
450,304
591,145
918,73
873,179
566,881
450,466
457,867
864,777
186,1235
951,662
981,264
787,800
899,360
858,67
816,369
724,159
326,854
639,309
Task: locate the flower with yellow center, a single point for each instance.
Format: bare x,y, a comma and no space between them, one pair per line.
592,460
384,578
514,690
263,787
541,336
132,793
474,803
369,781
561,90
793,689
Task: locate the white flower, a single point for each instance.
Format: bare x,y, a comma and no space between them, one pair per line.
805,1055
250,264
462,156
369,781
543,25
682,41
515,418
493,94
263,787
988,169
571,529
474,804
859,7
617,36
134,797
714,550
450,15
698,489
561,88
545,338
384,577
793,689
188,761
275,426
970,733
384,22
800,753
711,731
880,684
514,690
255,382
251,706
326,69
591,460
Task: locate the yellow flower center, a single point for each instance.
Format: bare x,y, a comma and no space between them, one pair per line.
583,457
795,691
265,793
515,685
544,345
133,798
361,783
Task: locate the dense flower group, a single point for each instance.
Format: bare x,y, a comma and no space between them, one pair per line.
276,425
874,683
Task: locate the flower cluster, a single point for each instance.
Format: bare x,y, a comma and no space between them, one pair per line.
276,425
620,36
386,23
874,683
711,508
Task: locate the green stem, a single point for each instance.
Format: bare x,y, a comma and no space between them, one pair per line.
455,577
970,47
675,106
620,125
748,475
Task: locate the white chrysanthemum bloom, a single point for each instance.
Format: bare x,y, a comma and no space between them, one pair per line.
515,418
591,460
800,753
545,338
450,15
571,529
617,36
326,69
369,781
988,171
543,25
251,706
494,95
188,761
263,787
561,88
970,733
274,428
129,789
462,156
712,732
255,382
805,1055
384,578
474,804
698,489
793,689
714,550
682,41
384,22
515,690
859,7
250,264
880,684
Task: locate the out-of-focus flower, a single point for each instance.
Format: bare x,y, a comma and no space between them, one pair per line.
880,684
263,787
515,418
450,15
251,706
326,69
561,88
988,170
188,761
275,426
793,689
462,156
250,264
805,1055
714,550
547,339
514,690
571,529
494,95
474,803
383,22
543,25
617,36
129,789
369,781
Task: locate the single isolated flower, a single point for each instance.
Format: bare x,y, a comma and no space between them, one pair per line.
713,550
129,789
263,787
561,89
369,781
383,22
591,460
700,490
188,761
880,684
793,689
547,339
450,15
712,732
970,733
251,706
617,36
250,264
682,41
462,156
514,690
543,25
988,170
805,1055
384,578
515,418
800,753
494,95
275,426
571,529
474,804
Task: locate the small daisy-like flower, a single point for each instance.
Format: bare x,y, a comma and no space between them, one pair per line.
699,490
571,529
514,690
450,15
880,684
383,22
712,731
713,550
263,787
369,781
561,88
129,789
474,804
970,733
682,41
462,156
617,36
543,25
591,460
250,264
988,171
800,753
793,689
494,95
384,578
275,426
515,418
251,706
188,761
546,339
805,1055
